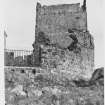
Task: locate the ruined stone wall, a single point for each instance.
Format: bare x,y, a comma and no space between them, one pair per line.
56,19
9,58
53,23
78,62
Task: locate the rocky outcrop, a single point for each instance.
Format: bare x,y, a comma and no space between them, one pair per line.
97,79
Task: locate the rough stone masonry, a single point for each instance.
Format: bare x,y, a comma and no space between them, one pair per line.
62,41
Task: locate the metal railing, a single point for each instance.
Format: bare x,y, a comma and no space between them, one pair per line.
21,58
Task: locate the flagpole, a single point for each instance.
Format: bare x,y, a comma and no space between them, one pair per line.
5,36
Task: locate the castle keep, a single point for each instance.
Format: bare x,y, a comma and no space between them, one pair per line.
62,40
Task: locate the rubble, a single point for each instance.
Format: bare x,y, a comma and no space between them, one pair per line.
51,89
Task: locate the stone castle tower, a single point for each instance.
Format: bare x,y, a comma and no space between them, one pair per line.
62,40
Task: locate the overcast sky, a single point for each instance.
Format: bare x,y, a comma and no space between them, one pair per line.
20,23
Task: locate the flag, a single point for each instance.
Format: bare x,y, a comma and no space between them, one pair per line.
5,34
